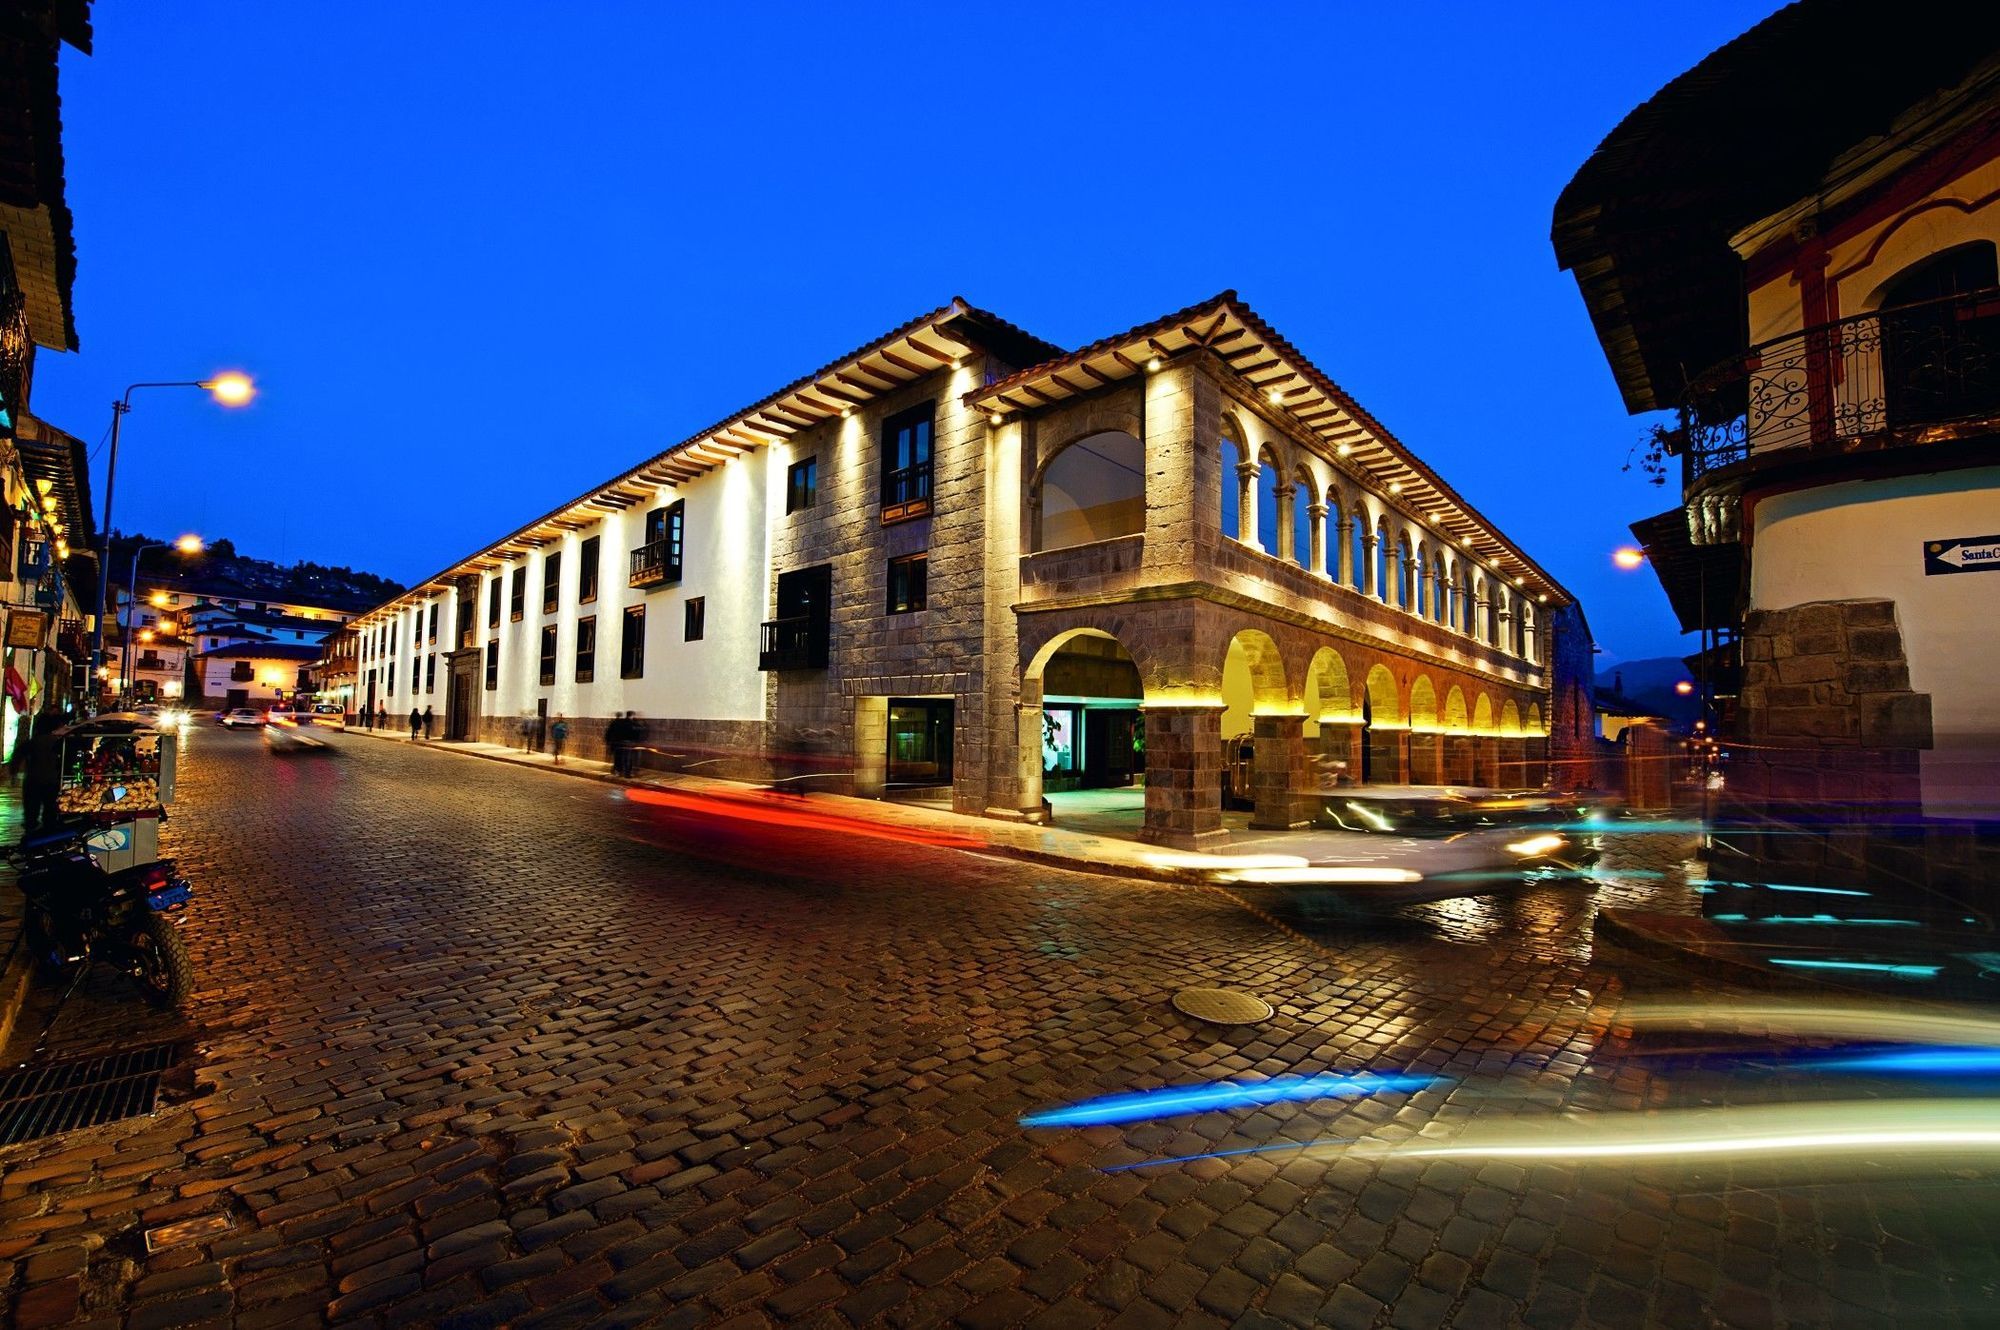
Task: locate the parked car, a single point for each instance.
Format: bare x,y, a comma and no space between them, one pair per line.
242,717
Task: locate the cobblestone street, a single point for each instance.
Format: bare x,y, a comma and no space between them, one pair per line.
475,1045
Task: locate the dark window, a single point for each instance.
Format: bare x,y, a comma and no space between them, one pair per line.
517,596
493,604
468,609
240,672
906,583
431,673
493,664
586,649
551,582
660,559
697,611
548,655
906,463
434,623
586,572
802,485
632,644
393,625
392,676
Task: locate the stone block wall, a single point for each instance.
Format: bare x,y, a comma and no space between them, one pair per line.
1823,780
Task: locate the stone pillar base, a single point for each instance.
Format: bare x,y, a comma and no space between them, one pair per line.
1183,776
1278,777
1037,816
1202,842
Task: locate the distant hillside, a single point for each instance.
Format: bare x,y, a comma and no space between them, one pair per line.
220,569
1650,683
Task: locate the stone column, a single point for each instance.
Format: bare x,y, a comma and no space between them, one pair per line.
1278,771
1025,801
1184,777
871,746
1316,538
1246,502
1479,619
1368,586
1287,544
1507,630
1426,593
1410,581
1344,537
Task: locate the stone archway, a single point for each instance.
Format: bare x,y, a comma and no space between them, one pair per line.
1382,727
1458,758
1485,743
1333,730
1258,706
1426,754
1535,742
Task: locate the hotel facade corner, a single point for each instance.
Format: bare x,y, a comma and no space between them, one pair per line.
961,563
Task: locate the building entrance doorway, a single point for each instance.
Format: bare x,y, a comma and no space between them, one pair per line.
461,705
920,742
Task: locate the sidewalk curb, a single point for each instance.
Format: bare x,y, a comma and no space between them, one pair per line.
1047,859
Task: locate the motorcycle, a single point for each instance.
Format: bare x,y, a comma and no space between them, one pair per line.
77,912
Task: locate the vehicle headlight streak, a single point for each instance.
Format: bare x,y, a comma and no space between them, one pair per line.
1220,1096
1779,1130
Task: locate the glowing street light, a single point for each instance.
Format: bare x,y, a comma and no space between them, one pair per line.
231,388
1628,558
1684,688
189,544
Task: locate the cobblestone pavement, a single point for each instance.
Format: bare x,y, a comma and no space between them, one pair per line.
478,1045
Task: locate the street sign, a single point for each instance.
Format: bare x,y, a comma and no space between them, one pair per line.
1962,554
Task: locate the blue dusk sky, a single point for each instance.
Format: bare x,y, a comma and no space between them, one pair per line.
480,257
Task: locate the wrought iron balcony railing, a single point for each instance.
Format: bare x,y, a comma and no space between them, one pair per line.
1905,374
656,564
794,644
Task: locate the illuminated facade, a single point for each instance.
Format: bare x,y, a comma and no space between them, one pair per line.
1811,282
964,564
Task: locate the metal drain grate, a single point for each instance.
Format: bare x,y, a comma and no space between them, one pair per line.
51,1097
1221,1006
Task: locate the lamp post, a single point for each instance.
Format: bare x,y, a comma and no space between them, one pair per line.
186,545
230,389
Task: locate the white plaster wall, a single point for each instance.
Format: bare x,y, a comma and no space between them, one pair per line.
724,561
1865,540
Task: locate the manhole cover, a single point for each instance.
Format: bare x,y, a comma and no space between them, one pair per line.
52,1097
1221,1006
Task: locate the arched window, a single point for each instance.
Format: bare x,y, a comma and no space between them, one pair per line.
1302,525
1232,510
1360,542
1267,505
1382,557
1528,642
1094,489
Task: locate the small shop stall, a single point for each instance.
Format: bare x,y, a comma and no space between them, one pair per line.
118,770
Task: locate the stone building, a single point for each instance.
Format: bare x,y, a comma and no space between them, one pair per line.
961,563
1808,275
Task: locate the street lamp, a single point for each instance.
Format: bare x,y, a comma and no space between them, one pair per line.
189,544
231,388
1627,557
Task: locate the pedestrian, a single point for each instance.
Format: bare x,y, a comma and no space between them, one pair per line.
427,722
381,715
558,736
527,732
42,775
617,737
416,723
